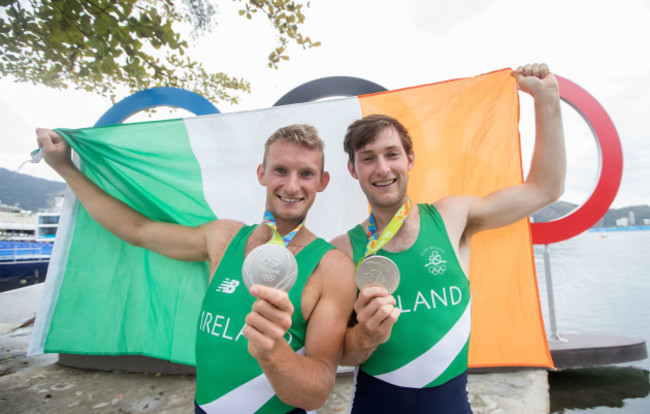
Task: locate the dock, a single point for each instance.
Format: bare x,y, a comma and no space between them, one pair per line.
584,350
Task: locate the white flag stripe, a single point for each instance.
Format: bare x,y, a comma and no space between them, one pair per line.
55,272
436,360
229,147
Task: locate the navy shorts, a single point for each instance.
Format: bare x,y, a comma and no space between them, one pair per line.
375,396
199,410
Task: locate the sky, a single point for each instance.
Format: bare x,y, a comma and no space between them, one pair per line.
597,44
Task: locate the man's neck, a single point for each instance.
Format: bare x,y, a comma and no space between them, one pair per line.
285,226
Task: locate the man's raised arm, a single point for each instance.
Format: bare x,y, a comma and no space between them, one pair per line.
545,181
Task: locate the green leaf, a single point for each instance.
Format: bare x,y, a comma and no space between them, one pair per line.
103,45
101,26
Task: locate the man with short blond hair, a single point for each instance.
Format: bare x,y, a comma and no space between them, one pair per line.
263,350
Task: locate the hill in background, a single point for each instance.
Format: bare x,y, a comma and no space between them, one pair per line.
562,208
26,191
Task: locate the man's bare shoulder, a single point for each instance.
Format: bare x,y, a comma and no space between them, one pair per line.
335,270
338,269
455,202
343,244
331,282
455,212
455,208
336,257
221,231
336,275
223,225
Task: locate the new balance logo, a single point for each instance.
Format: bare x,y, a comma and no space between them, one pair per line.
228,286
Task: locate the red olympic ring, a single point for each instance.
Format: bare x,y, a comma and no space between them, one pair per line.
611,169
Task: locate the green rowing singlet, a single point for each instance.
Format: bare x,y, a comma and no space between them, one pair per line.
429,342
228,378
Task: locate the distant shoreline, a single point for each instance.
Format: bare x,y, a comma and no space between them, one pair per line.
610,229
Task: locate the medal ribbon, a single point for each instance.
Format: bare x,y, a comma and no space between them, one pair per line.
374,244
278,239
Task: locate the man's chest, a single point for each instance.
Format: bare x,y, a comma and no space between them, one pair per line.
405,237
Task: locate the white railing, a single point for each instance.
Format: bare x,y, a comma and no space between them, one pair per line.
14,254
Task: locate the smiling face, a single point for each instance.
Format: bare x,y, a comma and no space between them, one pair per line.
382,168
292,175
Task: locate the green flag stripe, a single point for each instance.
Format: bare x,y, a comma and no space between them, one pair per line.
154,310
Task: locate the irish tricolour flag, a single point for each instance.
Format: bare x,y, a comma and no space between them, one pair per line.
104,296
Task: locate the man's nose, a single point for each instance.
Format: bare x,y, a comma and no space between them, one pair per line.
382,165
293,183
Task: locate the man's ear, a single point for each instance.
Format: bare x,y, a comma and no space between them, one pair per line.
260,175
411,160
324,180
352,170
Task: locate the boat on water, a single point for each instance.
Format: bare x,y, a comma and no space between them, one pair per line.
23,263
26,241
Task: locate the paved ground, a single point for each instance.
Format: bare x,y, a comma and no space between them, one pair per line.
40,385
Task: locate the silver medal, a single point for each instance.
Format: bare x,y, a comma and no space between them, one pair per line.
378,270
270,265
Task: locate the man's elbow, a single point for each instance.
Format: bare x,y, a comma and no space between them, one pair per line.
137,236
545,193
320,395
555,192
316,402
309,401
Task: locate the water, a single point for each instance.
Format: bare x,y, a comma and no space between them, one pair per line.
601,285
